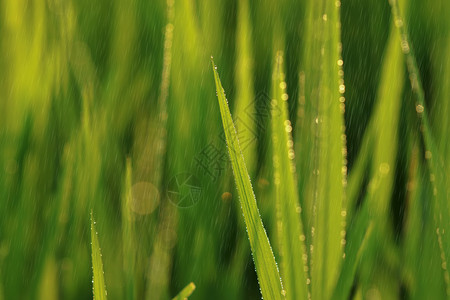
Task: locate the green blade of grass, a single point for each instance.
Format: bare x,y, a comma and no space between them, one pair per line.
433,158
98,279
266,267
324,136
186,292
290,229
383,128
128,238
244,84
360,231
420,249
380,162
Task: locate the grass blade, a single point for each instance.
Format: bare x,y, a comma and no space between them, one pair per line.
379,164
324,131
357,239
128,237
420,250
186,292
266,267
245,106
99,287
433,158
290,229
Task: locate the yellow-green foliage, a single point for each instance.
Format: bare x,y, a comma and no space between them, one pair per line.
339,126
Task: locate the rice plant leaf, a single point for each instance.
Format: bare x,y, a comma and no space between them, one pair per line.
290,230
99,287
360,231
420,249
383,128
245,106
433,158
324,139
266,267
128,239
378,163
186,292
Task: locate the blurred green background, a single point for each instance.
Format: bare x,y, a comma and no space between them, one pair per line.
91,91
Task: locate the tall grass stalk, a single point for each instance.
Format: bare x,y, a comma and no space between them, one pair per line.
290,229
326,174
266,267
434,161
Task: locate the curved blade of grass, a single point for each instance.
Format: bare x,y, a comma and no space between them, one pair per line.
360,173
381,162
324,135
383,128
437,175
290,229
99,287
186,292
266,267
358,235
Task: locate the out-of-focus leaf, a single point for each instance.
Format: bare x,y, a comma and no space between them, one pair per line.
128,238
186,292
432,156
358,234
383,128
290,230
245,98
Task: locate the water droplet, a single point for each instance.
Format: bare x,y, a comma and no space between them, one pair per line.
398,22
291,153
290,143
340,62
419,108
324,17
405,46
